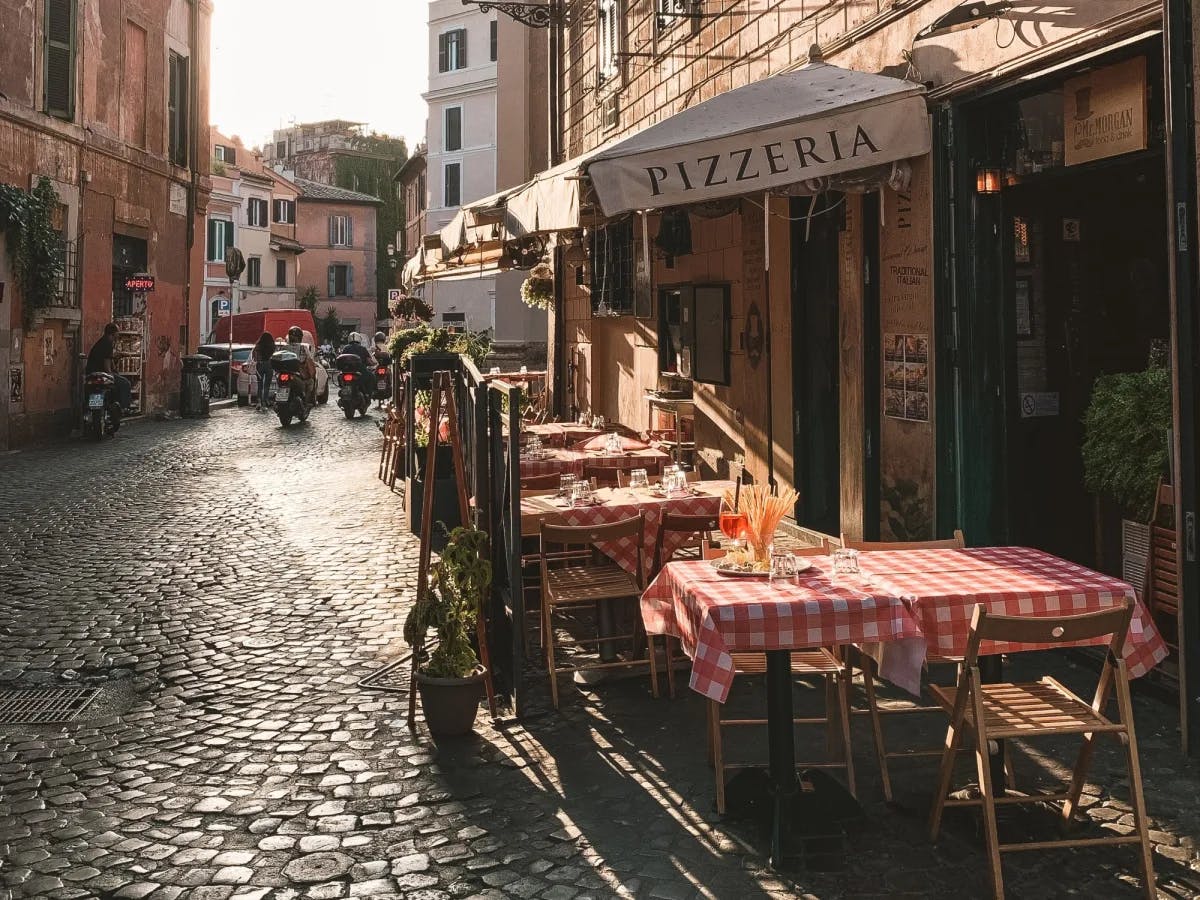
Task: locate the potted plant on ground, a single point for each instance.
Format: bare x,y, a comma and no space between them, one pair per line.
451,681
1125,451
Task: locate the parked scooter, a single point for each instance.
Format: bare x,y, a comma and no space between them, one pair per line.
291,398
354,395
101,411
383,376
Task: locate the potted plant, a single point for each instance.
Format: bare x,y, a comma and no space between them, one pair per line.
537,290
451,680
1125,451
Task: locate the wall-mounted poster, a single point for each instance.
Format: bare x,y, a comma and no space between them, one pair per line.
906,377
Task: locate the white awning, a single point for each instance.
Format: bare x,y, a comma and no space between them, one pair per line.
816,122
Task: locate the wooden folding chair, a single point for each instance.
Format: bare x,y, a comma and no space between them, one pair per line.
867,664
602,476
992,712
824,663
576,573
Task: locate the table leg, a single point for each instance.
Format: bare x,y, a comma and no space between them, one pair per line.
606,626
991,670
781,744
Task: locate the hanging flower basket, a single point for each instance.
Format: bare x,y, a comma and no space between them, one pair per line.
538,289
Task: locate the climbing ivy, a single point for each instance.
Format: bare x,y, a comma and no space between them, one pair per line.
35,248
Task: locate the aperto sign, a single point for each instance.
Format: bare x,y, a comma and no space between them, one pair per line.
140,283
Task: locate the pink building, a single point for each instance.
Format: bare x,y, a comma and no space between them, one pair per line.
336,228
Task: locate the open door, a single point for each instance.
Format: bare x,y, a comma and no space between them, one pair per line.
815,352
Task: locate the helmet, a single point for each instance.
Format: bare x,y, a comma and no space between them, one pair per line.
356,338
295,334
380,337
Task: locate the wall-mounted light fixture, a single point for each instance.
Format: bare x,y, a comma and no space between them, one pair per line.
987,181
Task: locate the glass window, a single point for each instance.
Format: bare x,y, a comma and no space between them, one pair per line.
453,184
254,272
452,134
452,50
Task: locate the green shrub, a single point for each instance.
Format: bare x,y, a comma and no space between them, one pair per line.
1125,438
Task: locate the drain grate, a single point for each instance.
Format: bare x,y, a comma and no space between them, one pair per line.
44,706
393,677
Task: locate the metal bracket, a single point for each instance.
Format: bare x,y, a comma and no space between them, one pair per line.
533,15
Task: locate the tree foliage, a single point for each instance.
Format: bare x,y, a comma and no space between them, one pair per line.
308,299
35,248
330,327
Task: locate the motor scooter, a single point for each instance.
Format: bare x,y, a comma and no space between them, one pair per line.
101,411
291,394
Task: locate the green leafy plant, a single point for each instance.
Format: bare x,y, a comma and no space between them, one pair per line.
330,327
451,605
537,290
308,299
411,307
409,342
1125,437
34,246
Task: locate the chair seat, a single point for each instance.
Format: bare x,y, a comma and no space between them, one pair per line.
1039,707
587,584
804,662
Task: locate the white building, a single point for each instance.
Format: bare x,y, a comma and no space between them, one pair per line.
462,159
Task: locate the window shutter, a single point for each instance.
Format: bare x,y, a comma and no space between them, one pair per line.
494,40
332,231
332,281
462,48
212,239
349,281
349,231
444,52
228,235
231,156
290,205
60,58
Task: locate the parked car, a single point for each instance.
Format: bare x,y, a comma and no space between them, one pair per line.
247,382
218,369
248,326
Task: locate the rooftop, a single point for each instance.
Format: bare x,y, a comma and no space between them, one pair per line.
314,190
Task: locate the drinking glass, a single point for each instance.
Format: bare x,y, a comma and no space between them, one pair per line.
565,485
581,493
583,418
783,567
495,370
524,370
638,479
845,561
612,442
732,522
598,422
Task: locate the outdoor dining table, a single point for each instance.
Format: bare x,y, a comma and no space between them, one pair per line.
616,504
571,462
902,603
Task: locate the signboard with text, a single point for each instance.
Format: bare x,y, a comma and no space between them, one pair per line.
1104,112
141,283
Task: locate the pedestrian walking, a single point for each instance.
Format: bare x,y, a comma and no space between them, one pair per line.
263,351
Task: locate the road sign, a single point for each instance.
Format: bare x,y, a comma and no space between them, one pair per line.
223,307
394,294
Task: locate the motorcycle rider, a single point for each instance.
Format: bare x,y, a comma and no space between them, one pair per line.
308,366
382,355
100,359
357,346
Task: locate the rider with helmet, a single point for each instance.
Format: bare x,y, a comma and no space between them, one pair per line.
382,356
308,365
357,346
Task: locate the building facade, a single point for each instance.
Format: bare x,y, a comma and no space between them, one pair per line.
337,229
472,151
413,192
253,208
119,139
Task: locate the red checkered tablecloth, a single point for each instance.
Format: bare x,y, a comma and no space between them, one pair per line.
714,616
562,462
624,504
943,586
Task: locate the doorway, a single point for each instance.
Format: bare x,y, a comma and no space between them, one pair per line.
815,359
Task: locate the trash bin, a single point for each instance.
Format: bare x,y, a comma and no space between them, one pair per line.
193,391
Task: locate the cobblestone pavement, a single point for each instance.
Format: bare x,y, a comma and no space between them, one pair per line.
229,584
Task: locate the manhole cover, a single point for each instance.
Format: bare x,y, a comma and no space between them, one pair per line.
393,677
45,706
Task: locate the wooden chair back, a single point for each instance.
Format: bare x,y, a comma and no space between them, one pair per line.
1049,630
958,542
539,482
602,476
567,544
700,527
1161,591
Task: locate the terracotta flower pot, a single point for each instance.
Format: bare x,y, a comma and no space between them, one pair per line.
450,704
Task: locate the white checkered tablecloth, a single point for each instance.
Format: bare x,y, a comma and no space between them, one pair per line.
943,586
563,462
715,615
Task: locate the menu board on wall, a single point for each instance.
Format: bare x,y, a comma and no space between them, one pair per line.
906,377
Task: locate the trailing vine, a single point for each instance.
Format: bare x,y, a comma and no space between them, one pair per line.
35,248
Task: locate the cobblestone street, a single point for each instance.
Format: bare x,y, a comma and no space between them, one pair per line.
229,584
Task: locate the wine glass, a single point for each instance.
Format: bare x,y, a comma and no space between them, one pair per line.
732,524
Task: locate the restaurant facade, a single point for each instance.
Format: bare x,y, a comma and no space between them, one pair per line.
879,255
